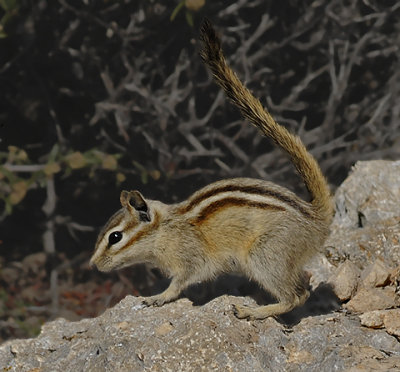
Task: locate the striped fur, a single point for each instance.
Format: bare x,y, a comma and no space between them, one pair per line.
250,188
254,226
227,202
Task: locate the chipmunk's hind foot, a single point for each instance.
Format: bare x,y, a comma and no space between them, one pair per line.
262,312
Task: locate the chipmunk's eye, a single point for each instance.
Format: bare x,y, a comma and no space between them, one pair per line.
114,237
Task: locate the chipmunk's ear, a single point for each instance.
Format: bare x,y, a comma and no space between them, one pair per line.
134,201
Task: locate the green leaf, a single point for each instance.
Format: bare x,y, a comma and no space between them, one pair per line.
75,160
19,191
144,177
109,162
51,168
176,10
54,153
8,207
189,18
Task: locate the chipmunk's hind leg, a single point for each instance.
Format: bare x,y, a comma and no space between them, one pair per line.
262,312
283,278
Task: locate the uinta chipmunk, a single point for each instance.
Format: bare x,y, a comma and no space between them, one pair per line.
245,225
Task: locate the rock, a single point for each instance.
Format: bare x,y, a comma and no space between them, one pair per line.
376,275
164,329
389,319
373,319
368,299
369,359
369,195
395,276
182,337
345,280
366,226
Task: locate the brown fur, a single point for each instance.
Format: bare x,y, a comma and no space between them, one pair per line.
142,233
256,227
253,110
256,190
219,205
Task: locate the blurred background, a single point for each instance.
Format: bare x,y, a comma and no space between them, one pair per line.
101,96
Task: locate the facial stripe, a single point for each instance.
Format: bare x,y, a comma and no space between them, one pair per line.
147,229
221,204
254,190
114,221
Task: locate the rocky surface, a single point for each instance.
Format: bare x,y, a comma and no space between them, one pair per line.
361,267
180,337
367,221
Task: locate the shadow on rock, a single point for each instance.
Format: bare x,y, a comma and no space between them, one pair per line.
322,300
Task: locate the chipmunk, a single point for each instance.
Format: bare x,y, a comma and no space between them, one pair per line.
252,226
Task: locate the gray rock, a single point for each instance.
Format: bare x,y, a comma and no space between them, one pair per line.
368,299
183,337
376,274
345,280
367,221
369,195
389,319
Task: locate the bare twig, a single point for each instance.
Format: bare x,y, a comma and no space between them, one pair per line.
49,241
31,168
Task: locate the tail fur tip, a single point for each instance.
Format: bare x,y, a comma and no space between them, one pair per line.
206,28
210,40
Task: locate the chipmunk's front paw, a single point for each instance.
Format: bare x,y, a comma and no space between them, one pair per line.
154,301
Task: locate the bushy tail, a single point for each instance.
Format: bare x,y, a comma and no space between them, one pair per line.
253,110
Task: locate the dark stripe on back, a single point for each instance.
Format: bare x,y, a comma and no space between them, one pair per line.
255,190
233,202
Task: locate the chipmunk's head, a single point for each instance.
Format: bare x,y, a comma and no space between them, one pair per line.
125,229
